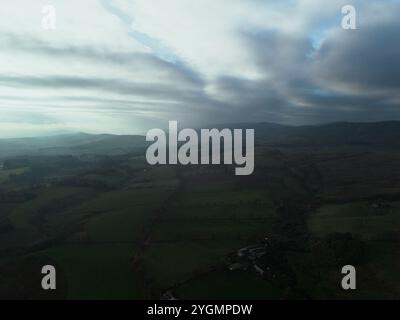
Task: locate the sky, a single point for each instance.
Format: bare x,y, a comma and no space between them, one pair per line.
126,66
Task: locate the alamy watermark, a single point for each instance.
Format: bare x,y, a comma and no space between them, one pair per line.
349,20
49,279
49,19
349,280
186,147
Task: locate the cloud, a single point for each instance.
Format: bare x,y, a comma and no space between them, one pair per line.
363,61
127,65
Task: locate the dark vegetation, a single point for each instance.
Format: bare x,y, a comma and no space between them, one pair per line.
320,198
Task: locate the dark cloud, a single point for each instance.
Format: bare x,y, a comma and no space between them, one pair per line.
353,76
132,61
368,58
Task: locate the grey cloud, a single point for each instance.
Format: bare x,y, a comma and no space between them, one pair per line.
302,85
133,61
169,100
354,76
161,91
368,58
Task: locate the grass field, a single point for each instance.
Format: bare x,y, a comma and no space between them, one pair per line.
358,218
6,174
384,259
22,215
222,230
114,225
98,271
102,231
222,285
224,198
206,220
120,226
117,228
169,264
379,228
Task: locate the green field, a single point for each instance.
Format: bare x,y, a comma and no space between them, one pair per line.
22,215
358,218
379,229
203,223
6,174
224,198
98,271
226,285
120,226
172,263
117,228
115,225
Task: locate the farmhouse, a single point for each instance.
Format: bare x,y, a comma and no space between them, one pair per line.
259,270
252,252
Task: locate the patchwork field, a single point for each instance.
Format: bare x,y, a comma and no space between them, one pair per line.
117,228
98,271
377,225
202,224
359,218
222,285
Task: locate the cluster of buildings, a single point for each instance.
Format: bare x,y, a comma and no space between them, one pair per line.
247,258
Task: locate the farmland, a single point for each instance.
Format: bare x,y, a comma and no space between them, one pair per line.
117,228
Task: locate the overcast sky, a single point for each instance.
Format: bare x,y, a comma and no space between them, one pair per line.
124,66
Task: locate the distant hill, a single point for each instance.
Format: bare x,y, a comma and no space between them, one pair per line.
378,134
72,144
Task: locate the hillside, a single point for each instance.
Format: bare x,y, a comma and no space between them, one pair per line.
73,144
377,134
